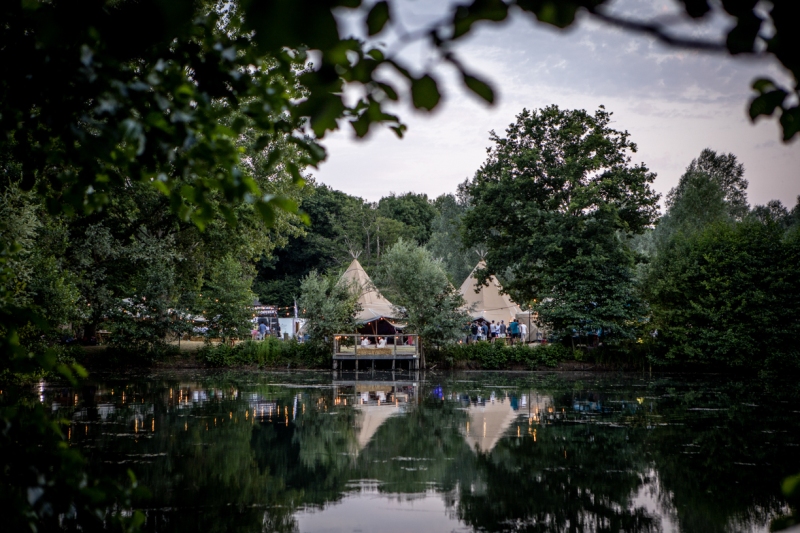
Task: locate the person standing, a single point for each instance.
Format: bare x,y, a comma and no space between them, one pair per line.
501,329
262,331
493,331
523,332
485,331
513,328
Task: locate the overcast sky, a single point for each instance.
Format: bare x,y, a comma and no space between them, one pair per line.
673,102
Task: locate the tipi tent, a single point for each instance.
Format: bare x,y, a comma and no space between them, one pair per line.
488,304
373,304
487,423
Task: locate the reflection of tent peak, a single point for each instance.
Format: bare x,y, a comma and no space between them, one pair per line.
487,423
488,303
373,304
371,417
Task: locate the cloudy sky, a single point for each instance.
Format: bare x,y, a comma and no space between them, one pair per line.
673,102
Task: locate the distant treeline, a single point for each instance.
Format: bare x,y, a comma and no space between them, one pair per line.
343,226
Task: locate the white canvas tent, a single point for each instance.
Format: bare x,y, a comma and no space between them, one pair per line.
373,304
526,317
488,304
487,423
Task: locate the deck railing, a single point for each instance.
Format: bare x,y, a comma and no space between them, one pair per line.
376,346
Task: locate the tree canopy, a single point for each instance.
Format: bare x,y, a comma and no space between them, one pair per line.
418,286
555,204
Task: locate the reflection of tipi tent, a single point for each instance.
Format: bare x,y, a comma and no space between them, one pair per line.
373,304
370,418
488,303
487,423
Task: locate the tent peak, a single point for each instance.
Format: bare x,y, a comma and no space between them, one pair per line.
373,303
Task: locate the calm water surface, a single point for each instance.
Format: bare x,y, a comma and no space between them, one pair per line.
240,452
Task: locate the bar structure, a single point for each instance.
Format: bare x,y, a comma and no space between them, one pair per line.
370,348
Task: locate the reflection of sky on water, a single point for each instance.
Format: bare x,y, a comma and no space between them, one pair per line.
370,511
455,454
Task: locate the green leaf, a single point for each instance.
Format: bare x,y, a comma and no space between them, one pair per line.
790,121
297,178
559,13
425,93
479,87
766,103
267,213
377,18
287,204
762,85
790,485
239,124
229,215
389,90
80,371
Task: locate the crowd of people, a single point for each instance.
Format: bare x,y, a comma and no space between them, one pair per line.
515,331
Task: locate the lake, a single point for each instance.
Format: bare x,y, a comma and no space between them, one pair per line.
475,451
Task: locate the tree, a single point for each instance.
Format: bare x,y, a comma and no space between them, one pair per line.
413,210
722,169
698,201
728,295
330,306
334,222
555,204
418,285
227,300
446,244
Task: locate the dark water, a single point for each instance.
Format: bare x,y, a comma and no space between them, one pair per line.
465,452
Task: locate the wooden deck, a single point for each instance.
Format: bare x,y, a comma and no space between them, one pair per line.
371,348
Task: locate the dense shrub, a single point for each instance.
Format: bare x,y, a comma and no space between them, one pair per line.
497,355
728,296
270,352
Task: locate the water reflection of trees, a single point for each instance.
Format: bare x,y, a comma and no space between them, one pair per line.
613,458
722,454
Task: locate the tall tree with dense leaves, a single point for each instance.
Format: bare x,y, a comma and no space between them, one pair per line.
446,244
555,204
330,305
723,169
728,295
419,287
414,210
701,201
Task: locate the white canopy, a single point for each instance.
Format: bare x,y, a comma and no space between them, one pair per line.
373,304
487,423
488,304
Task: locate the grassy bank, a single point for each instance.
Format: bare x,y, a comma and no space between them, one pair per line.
270,352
